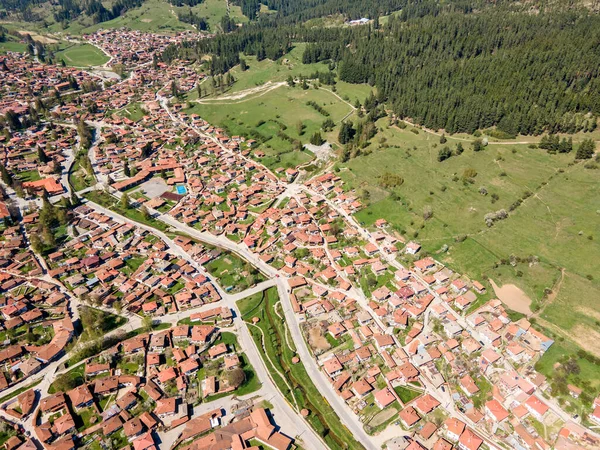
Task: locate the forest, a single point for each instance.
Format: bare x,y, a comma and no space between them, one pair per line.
447,68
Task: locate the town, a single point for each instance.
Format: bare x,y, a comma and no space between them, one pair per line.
145,254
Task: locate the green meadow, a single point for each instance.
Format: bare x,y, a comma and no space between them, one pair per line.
81,55
558,220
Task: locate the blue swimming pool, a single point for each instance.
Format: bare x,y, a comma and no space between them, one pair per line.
181,189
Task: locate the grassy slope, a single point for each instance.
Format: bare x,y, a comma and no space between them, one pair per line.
546,225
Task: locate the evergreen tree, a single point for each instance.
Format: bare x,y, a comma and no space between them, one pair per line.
586,149
6,176
346,133
124,202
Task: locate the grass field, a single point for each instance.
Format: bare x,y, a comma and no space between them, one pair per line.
558,220
276,114
278,358
12,46
81,55
233,273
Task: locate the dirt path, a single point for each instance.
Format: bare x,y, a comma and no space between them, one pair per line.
241,96
552,296
513,297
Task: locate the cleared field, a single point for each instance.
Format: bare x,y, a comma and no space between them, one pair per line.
152,16
272,116
83,55
557,221
12,46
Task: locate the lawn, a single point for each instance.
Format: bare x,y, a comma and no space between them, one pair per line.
303,392
233,273
79,178
406,395
81,55
29,175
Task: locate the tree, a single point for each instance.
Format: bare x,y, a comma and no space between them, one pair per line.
6,176
586,149
124,202
36,243
300,128
328,124
316,139
477,145
42,157
147,323
126,169
459,149
145,212
444,153
443,139
236,377
243,65
346,133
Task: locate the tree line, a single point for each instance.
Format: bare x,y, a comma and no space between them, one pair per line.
446,67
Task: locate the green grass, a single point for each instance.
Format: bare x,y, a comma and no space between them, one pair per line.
29,175
303,393
133,111
554,224
152,16
81,55
11,46
405,394
110,202
79,178
233,273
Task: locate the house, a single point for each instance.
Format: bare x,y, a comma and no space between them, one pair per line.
536,407
495,411
332,366
80,397
453,428
469,440
384,398
408,416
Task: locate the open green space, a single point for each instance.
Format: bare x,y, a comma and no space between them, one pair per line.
292,380
406,395
555,219
233,273
12,46
276,119
81,55
134,214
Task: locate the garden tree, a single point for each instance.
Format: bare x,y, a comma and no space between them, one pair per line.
236,377
145,212
199,90
6,176
67,381
346,133
124,203
12,120
444,153
75,200
147,323
316,139
126,169
459,149
36,243
586,149
477,145
48,237
174,89
85,134
42,157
